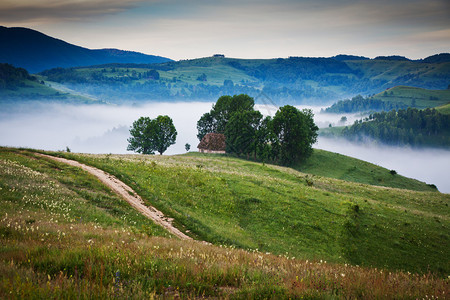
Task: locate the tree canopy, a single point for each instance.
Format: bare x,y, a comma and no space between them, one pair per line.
286,139
217,119
241,132
295,133
410,126
150,135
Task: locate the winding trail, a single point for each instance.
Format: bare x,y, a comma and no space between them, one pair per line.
126,193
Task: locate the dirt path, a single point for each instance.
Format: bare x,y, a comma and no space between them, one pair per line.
126,193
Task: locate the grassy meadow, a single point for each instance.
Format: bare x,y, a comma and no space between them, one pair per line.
415,97
444,109
33,90
355,170
276,232
279,210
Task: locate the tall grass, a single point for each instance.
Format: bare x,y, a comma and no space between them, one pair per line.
59,243
279,210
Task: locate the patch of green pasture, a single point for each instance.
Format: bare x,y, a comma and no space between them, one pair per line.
415,97
444,109
334,165
226,200
69,194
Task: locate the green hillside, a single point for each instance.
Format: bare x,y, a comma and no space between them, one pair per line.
415,97
392,73
63,234
290,80
279,210
444,109
334,165
399,97
16,85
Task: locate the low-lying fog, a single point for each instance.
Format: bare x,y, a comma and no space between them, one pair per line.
105,129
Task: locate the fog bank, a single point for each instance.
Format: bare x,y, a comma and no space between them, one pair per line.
94,128
429,165
105,129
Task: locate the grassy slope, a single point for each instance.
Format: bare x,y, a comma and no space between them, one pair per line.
390,70
186,72
280,210
63,234
406,94
334,165
32,90
388,73
444,109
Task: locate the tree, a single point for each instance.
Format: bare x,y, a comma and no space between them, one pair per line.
241,132
202,77
217,119
150,135
141,133
205,125
187,147
165,134
296,132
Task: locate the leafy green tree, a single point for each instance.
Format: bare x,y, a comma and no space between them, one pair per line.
296,133
187,147
205,125
217,119
241,132
150,135
202,77
165,133
141,133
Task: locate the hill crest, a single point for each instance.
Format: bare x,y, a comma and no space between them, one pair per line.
36,51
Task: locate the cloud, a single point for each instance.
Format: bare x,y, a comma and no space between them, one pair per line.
51,11
182,29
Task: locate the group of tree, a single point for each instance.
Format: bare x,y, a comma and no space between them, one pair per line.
286,138
150,135
363,104
412,127
12,77
293,79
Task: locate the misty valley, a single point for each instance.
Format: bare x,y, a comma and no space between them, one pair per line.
283,178
106,128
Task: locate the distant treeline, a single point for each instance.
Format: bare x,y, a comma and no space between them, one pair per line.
412,127
12,77
285,80
361,104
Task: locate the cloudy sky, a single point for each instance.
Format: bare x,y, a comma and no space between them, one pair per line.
183,29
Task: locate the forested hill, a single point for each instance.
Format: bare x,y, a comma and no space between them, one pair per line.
410,127
16,84
399,97
35,51
289,80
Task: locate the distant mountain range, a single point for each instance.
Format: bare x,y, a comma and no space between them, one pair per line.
35,51
283,80
115,76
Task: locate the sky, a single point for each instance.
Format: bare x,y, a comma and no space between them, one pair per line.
186,29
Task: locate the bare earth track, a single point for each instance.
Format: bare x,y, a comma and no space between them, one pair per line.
126,193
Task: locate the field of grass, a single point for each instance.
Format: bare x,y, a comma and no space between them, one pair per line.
387,70
279,210
216,73
33,90
334,165
64,235
444,109
415,97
